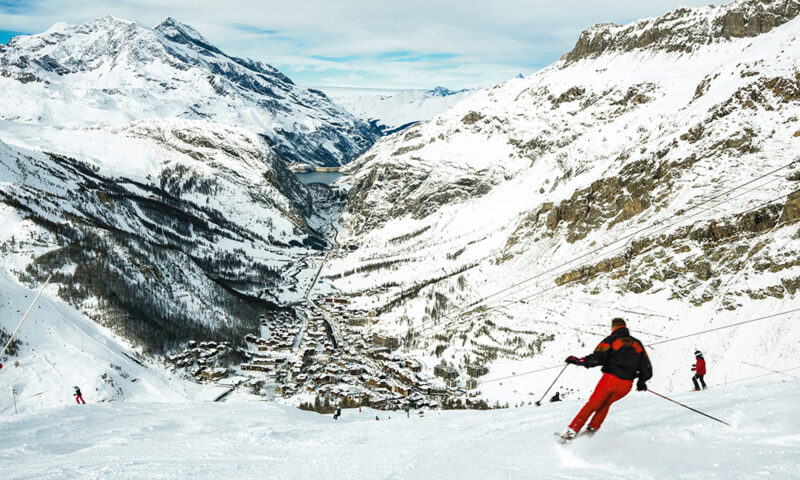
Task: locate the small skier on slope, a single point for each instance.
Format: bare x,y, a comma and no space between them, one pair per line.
699,369
78,396
623,358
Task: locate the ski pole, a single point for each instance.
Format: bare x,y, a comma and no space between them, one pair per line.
690,408
24,317
539,403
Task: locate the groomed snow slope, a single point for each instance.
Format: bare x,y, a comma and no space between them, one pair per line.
644,437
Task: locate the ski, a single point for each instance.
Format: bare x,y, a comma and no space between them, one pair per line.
562,439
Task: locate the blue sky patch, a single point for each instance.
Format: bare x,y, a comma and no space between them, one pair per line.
6,35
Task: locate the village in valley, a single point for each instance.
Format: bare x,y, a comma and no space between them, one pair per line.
329,354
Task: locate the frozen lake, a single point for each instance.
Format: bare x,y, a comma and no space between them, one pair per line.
318,177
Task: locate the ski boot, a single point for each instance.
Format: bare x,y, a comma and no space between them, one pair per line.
568,436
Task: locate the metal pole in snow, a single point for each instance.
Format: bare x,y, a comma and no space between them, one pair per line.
539,403
25,316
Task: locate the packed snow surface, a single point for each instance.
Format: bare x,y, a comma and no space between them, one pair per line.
643,437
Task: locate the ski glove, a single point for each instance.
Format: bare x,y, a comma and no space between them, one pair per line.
641,386
573,360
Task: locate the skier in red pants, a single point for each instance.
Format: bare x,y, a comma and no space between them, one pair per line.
78,396
623,358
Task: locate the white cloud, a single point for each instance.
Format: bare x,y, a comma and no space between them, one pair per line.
492,40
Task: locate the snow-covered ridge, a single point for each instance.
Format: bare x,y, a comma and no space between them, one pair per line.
116,71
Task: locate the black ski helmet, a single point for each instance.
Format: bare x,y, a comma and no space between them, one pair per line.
698,353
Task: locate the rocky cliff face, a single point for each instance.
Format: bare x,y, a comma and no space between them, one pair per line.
685,30
599,186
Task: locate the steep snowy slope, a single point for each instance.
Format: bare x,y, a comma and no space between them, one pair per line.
60,348
188,239
600,186
115,71
392,111
644,437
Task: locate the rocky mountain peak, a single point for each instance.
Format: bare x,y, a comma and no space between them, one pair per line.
684,29
440,91
181,33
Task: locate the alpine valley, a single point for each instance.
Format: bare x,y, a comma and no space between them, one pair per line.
652,172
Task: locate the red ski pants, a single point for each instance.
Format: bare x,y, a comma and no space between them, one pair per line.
609,389
79,399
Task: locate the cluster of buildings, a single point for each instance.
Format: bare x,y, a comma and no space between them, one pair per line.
329,351
205,360
346,362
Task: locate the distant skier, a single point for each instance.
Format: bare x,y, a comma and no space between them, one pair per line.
699,369
337,413
623,358
78,396
555,398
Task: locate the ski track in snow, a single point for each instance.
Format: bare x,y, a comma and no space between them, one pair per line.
643,437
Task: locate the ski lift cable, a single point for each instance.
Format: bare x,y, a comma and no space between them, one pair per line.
776,372
637,232
769,369
511,302
623,246
27,312
661,342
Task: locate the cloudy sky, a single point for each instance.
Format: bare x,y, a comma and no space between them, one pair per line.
366,43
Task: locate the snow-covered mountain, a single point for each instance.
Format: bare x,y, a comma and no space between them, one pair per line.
60,348
392,111
158,233
145,169
115,71
599,186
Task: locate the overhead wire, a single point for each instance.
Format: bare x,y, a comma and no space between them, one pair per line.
660,342
526,297
684,217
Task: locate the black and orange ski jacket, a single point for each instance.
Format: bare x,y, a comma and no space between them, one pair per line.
622,356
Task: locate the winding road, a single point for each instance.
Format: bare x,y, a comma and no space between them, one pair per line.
336,338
